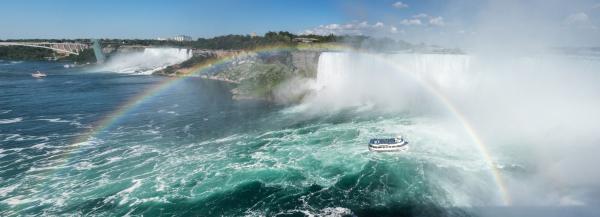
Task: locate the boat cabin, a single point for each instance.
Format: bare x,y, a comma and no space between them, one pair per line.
384,141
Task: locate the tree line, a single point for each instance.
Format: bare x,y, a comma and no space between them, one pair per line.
225,42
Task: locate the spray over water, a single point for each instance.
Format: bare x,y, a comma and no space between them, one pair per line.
146,62
536,113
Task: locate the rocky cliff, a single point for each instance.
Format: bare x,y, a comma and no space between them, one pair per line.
256,74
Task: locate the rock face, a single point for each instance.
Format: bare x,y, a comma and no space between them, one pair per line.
257,75
111,50
306,62
266,75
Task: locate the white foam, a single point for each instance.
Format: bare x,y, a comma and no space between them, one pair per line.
39,146
325,212
335,212
10,63
54,120
4,191
13,201
19,137
84,165
11,120
124,194
36,169
186,129
10,137
160,185
114,159
91,141
168,112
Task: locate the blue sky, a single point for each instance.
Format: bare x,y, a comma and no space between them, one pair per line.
414,20
150,19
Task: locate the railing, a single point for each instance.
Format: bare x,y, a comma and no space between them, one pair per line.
70,48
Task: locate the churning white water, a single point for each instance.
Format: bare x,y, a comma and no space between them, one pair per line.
146,62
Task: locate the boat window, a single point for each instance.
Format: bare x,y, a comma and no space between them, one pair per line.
385,141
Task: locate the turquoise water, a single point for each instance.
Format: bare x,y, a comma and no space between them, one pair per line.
191,150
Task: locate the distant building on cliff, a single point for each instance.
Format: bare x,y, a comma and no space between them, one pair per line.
182,38
305,40
176,38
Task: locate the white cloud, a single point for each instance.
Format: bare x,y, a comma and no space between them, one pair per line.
332,26
437,21
378,28
400,5
577,18
580,20
422,19
411,22
420,16
354,28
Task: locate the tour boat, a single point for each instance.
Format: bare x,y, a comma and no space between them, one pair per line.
388,145
38,74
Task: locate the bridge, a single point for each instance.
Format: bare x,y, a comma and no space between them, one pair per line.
65,48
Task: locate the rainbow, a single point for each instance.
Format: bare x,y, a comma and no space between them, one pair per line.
482,148
122,111
470,130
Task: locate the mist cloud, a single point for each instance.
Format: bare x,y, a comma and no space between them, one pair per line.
534,105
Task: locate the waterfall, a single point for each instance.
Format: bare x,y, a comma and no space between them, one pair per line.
388,81
330,68
146,62
440,69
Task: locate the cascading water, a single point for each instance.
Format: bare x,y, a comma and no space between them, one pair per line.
330,68
388,81
146,62
442,69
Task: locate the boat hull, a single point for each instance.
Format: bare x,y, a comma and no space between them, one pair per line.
38,75
389,149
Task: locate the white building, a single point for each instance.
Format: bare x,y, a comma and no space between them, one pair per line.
181,38
305,40
176,38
